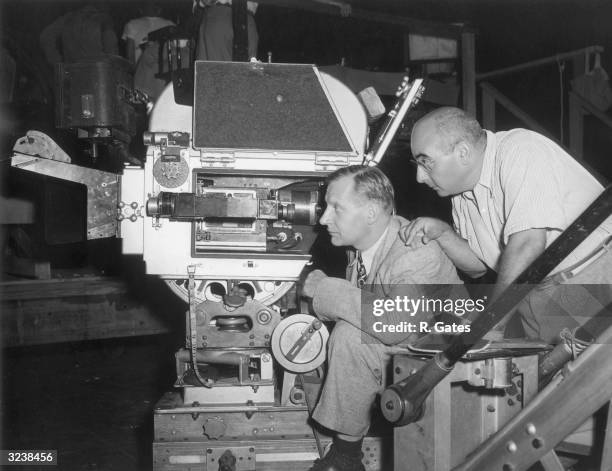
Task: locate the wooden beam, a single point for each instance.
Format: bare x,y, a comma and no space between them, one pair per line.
488,111
61,288
468,72
54,321
428,28
578,107
513,108
50,311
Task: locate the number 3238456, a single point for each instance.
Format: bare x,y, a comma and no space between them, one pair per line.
24,457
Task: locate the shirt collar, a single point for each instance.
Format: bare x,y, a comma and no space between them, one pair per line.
367,255
488,162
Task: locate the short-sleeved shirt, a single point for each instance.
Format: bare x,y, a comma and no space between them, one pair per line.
527,182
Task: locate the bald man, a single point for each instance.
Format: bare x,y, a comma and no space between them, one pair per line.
513,193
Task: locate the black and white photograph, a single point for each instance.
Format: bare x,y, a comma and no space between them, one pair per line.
306,235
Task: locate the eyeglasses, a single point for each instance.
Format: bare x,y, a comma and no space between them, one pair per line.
423,161
427,163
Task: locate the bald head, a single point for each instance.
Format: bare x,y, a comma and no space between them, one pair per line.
448,145
450,125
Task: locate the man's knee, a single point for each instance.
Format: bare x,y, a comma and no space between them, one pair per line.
344,336
348,350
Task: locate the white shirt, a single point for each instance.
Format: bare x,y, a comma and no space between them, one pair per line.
527,182
367,255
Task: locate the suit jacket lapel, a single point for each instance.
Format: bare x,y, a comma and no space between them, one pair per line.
379,256
384,248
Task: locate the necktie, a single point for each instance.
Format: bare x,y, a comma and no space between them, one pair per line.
361,271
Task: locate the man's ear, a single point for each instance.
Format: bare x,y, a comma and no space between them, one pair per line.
372,212
463,151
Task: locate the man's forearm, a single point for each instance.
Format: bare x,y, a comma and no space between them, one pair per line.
522,249
461,254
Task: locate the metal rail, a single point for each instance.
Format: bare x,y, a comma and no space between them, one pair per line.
539,62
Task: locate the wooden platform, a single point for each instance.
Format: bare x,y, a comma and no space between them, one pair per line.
266,438
81,307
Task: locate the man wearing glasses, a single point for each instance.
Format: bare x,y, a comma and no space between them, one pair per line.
513,193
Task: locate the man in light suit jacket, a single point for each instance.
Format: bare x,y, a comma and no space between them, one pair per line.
360,214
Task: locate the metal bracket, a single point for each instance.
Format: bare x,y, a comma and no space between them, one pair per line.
242,457
491,373
217,159
334,160
130,211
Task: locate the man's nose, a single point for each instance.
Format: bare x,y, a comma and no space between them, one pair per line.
421,175
324,220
